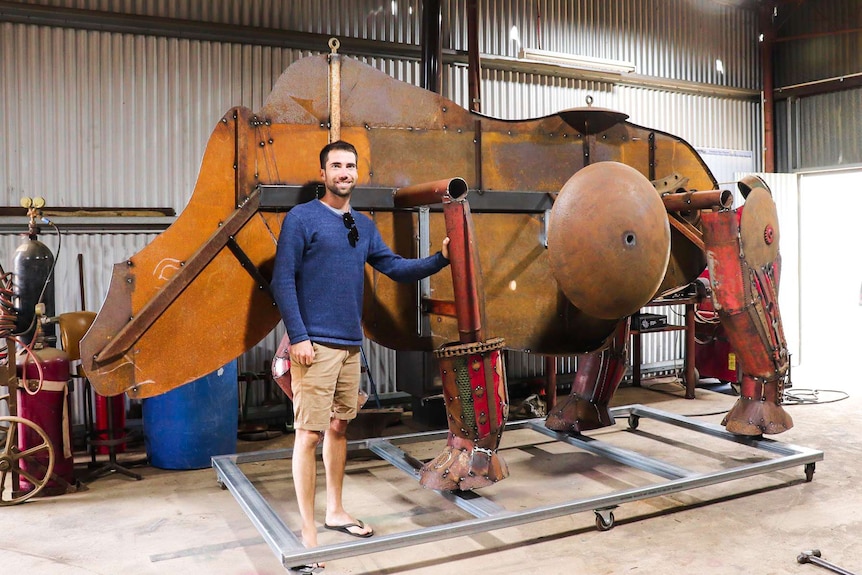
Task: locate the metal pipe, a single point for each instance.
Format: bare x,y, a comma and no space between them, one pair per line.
429,193
550,382
813,556
474,67
466,272
814,87
767,29
432,46
334,91
685,200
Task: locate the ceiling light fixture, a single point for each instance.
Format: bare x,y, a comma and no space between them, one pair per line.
617,67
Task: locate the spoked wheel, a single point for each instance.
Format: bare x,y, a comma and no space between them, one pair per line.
36,471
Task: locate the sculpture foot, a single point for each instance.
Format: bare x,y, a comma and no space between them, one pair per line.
756,417
463,469
575,414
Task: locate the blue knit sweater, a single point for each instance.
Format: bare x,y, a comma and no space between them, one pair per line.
318,278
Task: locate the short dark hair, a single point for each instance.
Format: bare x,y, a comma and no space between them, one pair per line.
336,145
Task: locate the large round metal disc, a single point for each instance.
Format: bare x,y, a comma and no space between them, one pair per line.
758,228
608,240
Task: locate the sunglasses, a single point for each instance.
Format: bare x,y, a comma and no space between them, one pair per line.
352,233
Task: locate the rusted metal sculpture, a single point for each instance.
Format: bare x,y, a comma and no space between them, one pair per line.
471,369
597,379
744,268
208,273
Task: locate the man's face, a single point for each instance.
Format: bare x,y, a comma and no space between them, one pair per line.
339,175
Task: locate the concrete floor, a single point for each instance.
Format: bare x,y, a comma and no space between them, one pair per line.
181,522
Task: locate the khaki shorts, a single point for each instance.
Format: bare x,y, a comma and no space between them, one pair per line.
326,389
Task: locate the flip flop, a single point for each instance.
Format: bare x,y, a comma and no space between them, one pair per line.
346,528
307,569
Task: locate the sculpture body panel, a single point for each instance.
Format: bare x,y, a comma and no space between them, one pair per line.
404,135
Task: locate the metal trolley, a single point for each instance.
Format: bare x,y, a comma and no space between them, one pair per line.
38,458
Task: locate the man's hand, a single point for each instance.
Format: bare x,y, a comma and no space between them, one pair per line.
445,249
302,352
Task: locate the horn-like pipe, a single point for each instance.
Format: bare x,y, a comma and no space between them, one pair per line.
685,200
429,193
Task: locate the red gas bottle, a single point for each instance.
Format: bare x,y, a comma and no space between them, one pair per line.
46,405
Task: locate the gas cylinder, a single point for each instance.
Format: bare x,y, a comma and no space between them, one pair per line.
31,268
110,428
49,409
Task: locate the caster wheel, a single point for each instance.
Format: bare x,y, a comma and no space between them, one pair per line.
604,524
38,460
634,420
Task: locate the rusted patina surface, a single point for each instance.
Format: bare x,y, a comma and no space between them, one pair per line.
609,240
404,135
744,268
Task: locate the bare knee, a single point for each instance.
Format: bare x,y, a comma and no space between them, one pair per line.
338,427
307,439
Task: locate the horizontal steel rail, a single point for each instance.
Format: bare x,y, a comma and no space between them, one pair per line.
487,515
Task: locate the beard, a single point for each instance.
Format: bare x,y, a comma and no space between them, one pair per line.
341,193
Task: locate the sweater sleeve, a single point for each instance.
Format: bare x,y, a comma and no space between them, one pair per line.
288,258
399,268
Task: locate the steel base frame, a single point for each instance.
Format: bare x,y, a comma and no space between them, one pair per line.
487,515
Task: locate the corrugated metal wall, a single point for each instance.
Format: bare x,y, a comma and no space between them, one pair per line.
100,118
96,119
678,39
819,41
826,41
819,131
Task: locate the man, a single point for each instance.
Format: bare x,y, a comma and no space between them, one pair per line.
318,283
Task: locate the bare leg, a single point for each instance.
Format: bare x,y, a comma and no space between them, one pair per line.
304,468
335,460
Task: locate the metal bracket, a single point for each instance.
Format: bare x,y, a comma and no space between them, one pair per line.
248,265
546,219
423,246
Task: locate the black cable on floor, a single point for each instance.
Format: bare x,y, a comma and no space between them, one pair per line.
812,396
797,397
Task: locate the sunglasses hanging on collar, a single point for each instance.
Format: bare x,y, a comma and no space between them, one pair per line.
352,232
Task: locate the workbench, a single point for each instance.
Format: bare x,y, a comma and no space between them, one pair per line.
689,372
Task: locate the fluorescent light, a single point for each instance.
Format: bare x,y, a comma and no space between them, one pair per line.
617,67
513,35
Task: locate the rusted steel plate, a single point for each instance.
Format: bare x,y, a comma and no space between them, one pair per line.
219,315
405,136
609,240
758,229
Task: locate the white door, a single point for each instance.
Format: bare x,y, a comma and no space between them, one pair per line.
830,272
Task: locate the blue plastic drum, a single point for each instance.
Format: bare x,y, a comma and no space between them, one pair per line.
185,427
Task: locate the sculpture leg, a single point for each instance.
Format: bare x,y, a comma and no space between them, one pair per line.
477,407
758,410
744,268
598,377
